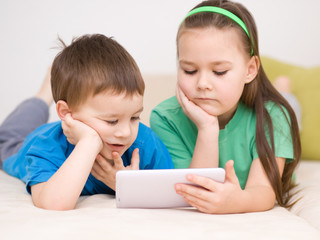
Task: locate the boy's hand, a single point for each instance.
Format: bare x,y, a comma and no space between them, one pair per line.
197,115
105,170
76,130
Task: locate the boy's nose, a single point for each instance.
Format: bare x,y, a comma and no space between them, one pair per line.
123,131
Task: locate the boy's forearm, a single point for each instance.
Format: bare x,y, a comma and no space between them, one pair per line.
63,189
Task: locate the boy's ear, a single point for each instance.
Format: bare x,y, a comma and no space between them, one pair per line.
62,109
253,68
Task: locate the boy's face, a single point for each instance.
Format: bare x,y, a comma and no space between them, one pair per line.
115,117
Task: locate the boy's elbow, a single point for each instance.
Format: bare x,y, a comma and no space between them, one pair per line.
53,205
50,201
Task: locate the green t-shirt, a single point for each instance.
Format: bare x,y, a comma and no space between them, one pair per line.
236,140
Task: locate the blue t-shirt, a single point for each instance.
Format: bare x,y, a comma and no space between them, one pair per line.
46,149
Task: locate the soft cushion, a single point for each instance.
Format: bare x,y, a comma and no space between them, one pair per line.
306,87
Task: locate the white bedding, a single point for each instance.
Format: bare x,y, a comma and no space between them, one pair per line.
96,217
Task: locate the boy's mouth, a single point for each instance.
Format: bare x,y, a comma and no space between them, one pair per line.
116,147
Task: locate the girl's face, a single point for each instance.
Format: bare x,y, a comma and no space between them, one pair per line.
213,69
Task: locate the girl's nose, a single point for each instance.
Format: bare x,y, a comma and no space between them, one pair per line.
204,82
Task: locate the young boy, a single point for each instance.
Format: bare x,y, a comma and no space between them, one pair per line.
98,90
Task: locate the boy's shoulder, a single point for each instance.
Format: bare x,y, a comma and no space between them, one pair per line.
48,129
146,138
144,132
47,136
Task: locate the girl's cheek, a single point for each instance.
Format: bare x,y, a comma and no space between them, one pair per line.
185,85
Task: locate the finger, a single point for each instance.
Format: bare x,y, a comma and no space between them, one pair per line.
187,190
95,174
118,163
230,172
178,94
201,205
102,163
195,199
68,119
135,160
204,182
181,97
64,127
96,170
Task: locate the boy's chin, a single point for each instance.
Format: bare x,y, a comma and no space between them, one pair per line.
108,155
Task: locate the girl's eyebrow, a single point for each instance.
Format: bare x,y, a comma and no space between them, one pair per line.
215,63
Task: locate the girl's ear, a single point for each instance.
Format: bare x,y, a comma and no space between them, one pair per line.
62,109
253,68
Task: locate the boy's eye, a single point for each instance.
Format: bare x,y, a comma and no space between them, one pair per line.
190,72
135,118
220,73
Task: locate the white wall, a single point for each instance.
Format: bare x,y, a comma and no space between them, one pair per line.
289,30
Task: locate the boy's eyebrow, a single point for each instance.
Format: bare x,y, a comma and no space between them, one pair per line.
140,110
116,115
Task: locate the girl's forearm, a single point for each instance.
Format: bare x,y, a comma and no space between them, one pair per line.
63,189
254,199
206,151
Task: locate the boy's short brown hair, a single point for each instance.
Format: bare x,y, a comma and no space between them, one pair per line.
93,64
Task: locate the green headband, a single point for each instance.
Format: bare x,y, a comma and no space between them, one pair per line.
223,12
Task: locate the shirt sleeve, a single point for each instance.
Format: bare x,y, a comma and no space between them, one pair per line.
153,153
281,132
44,158
171,137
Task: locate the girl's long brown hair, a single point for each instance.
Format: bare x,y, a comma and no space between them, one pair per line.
255,95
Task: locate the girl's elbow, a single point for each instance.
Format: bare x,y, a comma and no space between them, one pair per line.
271,203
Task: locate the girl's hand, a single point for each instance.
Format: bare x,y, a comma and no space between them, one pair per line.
211,196
76,130
197,115
206,151
105,170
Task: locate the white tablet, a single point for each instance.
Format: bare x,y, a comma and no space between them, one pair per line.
155,188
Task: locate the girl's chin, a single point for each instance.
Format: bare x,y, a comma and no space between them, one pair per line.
210,110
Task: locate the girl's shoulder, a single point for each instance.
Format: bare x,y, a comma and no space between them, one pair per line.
169,109
280,118
276,110
168,105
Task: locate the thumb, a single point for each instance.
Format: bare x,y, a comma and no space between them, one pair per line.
135,160
230,172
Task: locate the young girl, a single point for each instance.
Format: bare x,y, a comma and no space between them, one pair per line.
226,113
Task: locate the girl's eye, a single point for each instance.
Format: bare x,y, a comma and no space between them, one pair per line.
220,73
190,72
112,122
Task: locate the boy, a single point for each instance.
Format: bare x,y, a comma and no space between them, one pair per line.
98,90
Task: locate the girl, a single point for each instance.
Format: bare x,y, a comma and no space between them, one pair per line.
226,109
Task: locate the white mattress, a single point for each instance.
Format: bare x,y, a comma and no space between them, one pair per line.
96,217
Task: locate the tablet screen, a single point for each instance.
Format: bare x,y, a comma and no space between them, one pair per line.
155,188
